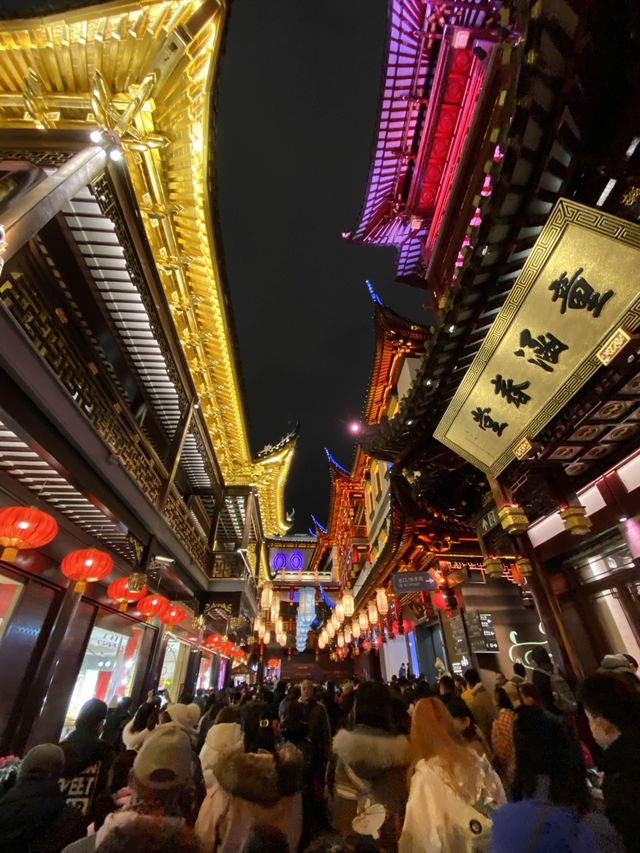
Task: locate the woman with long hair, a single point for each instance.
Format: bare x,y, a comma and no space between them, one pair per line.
453,791
140,727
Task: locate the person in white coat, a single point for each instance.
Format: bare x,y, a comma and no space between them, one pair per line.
224,734
453,791
137,730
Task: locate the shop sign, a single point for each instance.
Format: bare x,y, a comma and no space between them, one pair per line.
482,637
412,582
572,309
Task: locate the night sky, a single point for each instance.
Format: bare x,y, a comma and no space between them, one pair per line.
297,106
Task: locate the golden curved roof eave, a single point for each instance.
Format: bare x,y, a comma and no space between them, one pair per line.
144,70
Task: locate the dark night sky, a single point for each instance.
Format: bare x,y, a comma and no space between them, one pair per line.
296,113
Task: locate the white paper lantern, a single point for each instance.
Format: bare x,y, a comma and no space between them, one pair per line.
340,640
339,611
347,633
363,619
382,602
262,631
275,608
267,638
335,621
355,629
266,598
331,631
372,611
348,603
279,626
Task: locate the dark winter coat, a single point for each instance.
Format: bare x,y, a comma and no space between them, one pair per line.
380,760
34,819
82,750
621,766
117,719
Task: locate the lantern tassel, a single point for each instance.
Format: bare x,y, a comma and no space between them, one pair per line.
80,586
122,607
9,554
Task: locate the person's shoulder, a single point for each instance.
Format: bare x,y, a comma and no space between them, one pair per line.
83,845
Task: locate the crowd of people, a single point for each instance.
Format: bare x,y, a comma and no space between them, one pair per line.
519,766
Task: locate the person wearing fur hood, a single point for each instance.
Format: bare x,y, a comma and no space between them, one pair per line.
259,785
224,734
368,785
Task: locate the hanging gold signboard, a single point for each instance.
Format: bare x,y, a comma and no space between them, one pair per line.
571,310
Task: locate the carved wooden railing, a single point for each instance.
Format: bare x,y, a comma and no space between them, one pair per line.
94,392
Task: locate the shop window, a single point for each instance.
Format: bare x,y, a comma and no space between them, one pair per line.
614,623
204,673
174,667
10,592
109,664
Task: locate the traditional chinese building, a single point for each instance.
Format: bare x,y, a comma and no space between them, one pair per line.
445,73
121,418
523,416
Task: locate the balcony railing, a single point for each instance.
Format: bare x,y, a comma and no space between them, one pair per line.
232,565
95,394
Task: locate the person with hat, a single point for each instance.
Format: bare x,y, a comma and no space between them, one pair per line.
33,814
161,784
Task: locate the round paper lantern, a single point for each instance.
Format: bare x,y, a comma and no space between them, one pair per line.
119,591
24,527
438,599
153,605
213,640
86,565
173,616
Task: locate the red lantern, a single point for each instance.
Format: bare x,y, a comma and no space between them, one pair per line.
86,565
173,616
24,527
153,605
438,599
213,640
119,591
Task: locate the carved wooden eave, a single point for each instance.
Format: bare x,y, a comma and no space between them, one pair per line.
143,72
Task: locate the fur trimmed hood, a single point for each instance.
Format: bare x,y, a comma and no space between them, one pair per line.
259,777
371,751
221,737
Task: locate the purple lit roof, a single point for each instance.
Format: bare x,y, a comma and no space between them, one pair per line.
414,32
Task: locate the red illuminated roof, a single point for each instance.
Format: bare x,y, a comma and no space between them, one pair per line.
432,78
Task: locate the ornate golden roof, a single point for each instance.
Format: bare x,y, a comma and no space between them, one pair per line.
144,72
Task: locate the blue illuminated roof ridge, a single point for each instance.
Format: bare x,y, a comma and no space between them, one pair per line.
320,527
373,294
335,462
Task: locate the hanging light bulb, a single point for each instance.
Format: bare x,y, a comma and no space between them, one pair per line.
266,598
339,611
382,601
348,603
373,612
279,626
331,631
275,608
355,630
347,633
267,638
340,640
363,619
261,631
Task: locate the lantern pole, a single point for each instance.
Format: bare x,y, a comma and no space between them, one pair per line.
47,664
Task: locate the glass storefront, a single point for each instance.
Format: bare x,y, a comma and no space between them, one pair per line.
109,664
10,592
174,667
204,673
607,595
